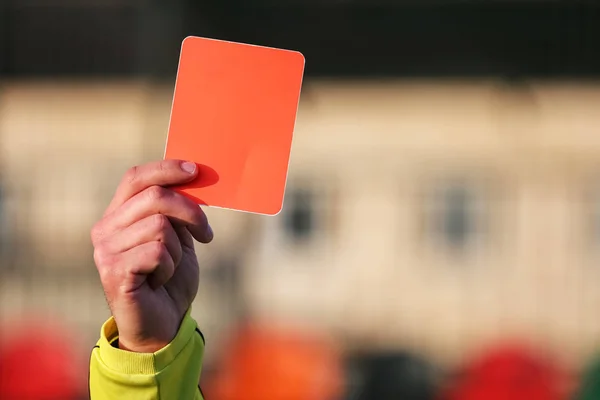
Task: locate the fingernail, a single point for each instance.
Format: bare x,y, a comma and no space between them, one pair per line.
188,167
209,232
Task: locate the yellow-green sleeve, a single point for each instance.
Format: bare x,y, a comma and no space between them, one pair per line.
170,373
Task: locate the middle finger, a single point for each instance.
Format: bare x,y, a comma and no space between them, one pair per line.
158,200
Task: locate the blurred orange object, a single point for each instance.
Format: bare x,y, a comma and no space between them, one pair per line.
263,364
39,363
510,372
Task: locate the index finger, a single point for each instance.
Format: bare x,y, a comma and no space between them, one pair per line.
161,173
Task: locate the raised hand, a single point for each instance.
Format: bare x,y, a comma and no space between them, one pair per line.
144,252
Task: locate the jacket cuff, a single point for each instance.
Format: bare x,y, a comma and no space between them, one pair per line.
126,362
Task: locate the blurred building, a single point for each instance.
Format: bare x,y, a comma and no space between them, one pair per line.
438,216
429,215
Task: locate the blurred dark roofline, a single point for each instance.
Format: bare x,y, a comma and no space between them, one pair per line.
340,38
272,3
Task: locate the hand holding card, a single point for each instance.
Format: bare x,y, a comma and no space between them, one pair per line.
234,111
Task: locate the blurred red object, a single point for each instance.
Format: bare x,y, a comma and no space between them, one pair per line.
510,372
263,364
39,363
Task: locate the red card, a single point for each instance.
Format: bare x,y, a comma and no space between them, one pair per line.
234,111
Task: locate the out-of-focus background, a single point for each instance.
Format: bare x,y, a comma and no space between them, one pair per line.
440,237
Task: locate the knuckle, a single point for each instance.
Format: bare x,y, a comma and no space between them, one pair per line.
96,232
131,175
156,193
163,166
156,251
160,223
103,258
106,276
197,214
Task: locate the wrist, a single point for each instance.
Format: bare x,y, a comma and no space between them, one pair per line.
145,348
147,339
147,344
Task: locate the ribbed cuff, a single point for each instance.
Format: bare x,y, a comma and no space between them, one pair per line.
127,362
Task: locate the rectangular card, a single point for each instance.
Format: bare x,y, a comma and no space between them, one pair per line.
234,112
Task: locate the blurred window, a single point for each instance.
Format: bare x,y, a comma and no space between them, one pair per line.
456,219
310,218
300,215
456,216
